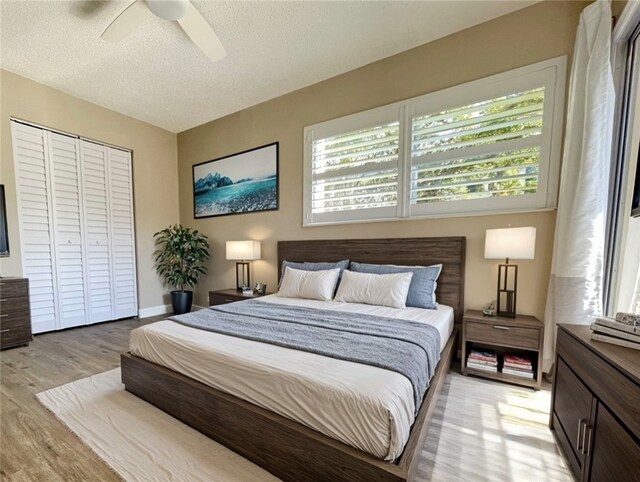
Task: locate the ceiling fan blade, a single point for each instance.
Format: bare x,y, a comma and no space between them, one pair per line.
125,23
201,33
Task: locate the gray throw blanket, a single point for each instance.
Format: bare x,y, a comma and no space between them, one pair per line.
406,347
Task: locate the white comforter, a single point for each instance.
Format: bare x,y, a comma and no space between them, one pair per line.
366,407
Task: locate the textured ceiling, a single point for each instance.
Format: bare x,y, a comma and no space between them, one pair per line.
159,76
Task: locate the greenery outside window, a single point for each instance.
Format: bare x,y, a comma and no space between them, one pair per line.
488,146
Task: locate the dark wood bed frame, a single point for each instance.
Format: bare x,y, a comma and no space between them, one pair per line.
288,449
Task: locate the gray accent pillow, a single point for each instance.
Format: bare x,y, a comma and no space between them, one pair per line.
307,266
422,291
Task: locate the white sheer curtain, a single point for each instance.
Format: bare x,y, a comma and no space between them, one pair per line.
575,286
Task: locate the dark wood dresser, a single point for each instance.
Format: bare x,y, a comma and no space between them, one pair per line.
15,318
595,405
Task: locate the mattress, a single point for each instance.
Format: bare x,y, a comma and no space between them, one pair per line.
366,407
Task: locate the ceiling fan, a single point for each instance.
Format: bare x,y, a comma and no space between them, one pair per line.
182,11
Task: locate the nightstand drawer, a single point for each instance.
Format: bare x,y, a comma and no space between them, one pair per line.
221,299
503,335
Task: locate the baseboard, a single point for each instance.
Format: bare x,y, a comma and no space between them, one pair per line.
154,311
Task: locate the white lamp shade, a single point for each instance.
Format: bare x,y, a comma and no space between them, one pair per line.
514,243
243,250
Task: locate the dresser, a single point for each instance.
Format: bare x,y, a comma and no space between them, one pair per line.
595,406
15,319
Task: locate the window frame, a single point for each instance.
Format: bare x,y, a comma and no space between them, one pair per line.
550,74
625,63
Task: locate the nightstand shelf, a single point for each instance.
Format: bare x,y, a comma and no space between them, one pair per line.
522,335
221,297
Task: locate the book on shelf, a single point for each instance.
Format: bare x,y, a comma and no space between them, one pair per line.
614,341
517,373
517,361
483,362
486,368
613,332
486,355
613,323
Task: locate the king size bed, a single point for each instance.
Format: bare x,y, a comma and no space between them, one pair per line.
302,412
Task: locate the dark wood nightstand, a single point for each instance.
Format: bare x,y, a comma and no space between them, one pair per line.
522,335
222,297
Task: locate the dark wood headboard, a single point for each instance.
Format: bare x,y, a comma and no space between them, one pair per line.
448,251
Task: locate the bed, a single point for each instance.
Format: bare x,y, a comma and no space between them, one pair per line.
277,418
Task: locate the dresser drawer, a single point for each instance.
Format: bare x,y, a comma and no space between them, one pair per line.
15,320
10,336
503,335
13,289
14,305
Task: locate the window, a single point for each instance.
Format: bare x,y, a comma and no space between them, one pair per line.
491,145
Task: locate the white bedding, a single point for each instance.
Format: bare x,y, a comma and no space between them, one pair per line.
366,407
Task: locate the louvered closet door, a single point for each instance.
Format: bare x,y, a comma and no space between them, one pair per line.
122,235
36,226
64,172
96,221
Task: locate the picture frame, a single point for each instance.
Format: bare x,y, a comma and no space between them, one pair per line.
240,183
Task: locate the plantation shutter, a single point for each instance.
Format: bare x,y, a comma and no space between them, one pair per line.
353,170
36,224
64,170
122,235
97,239
485,147
472,155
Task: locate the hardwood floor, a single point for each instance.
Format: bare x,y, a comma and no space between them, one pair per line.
34,445
481,430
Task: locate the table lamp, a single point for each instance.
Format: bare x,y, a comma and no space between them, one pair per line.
509,243
243,252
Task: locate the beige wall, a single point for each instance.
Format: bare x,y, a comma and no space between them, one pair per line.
154,166
530,35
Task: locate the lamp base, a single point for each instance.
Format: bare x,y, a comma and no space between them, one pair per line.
243,278
507,286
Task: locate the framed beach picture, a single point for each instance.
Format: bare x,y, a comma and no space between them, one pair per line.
246,182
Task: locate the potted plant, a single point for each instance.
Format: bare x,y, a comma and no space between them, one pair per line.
179,257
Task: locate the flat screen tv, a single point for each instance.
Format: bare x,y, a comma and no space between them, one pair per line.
4,235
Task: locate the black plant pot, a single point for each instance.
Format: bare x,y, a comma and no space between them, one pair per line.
181,301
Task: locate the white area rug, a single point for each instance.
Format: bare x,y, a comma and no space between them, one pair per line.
140,442
481,431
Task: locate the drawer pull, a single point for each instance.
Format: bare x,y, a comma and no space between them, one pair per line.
2,301
6,329
228,301
500,327
6,314
578,445
588,451
584,433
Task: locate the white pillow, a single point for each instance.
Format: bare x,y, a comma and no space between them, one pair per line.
374,289
313,285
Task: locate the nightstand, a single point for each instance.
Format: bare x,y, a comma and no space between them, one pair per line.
222,297
520,336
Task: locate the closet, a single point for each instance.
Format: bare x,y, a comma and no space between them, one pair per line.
75,206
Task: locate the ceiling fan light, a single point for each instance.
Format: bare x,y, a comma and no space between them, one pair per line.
168,9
